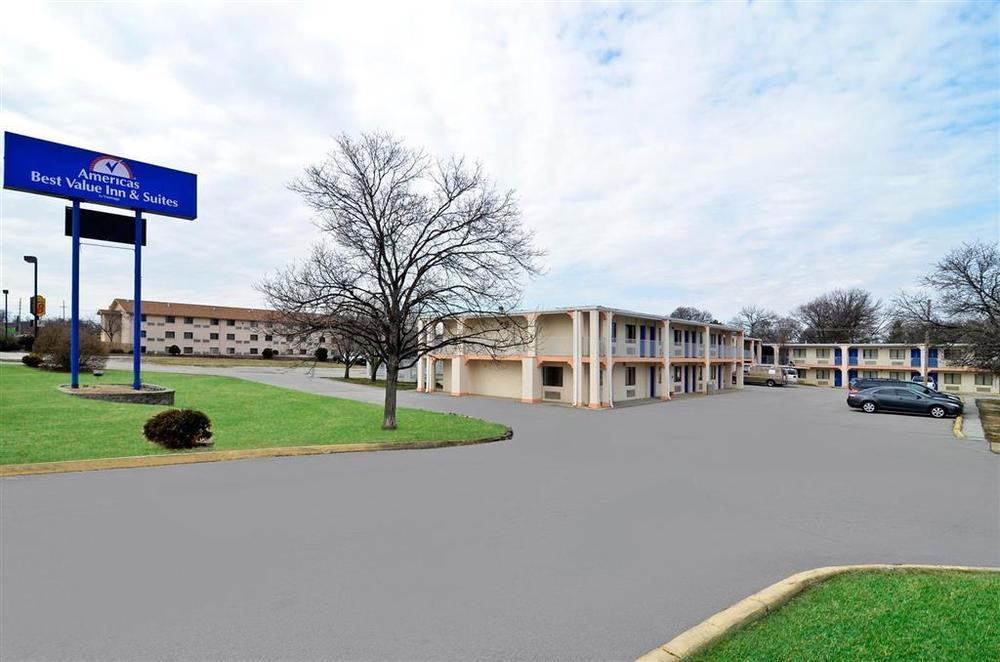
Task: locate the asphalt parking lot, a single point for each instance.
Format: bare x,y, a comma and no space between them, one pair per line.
589,536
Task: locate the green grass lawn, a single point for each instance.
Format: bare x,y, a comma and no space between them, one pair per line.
40,424
878,616
380,383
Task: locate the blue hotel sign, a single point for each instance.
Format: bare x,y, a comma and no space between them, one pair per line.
48,168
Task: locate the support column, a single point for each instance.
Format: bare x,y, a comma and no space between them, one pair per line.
739,364
844,367
431,374
457,365
595,360
577,358
609,361
924,362
420,375
668,377
528,369
708,358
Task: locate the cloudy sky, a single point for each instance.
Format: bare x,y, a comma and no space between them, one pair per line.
701,154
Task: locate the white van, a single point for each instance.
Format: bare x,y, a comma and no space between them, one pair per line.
791,375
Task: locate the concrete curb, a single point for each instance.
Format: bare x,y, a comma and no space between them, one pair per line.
956,428
196,457
767,601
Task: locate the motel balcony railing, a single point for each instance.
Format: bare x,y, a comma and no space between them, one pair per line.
641,348
687,350
723,352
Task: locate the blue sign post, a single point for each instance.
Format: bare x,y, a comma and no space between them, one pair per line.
47,168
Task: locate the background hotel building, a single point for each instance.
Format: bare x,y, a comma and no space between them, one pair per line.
200,329
595,357
836,365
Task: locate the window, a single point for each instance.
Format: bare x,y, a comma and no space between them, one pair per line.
253,336
822,352
169,334
897,354
799,353
869,374
869,353
630,374
142,349
253,350
630,333
898,375
952,378
302,352
230,322
188,335
984,379
189,350
230,350
230,336
213,350
170,319
614,330
677,373
142,333
143,317
820,374
552,375
189,320
268,338
213,336
677,336
214,321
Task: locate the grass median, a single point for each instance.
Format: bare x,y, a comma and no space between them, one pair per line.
915,615
40,424
989,416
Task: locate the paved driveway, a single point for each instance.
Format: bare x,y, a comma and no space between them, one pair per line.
590,535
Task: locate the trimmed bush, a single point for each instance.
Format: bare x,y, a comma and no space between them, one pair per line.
174,350
9,344
25,343
267,353
178,428
53,344
322,354
32,360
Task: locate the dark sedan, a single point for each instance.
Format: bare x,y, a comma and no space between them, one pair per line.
868,382
902,399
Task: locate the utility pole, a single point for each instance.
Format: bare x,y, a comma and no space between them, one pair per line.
64,309
5,292
18,332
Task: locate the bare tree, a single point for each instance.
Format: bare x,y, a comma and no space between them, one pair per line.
755,321
346,347
413,245
692,313
965,313
841,316
783,330
110,325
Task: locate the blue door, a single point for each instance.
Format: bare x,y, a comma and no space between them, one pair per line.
838,357
838,377
852,356
932,357
718,374
642,340
652,381
851,375
687,336
914,357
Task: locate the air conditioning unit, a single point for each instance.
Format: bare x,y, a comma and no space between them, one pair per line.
551,395
630,393
871,362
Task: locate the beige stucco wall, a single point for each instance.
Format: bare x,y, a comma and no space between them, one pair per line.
496,378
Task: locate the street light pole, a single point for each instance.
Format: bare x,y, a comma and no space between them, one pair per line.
31,259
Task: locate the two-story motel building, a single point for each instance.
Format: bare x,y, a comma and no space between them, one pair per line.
831,364
201,330
595,357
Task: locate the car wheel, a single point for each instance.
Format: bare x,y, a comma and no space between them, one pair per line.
770,382
869,407
937,411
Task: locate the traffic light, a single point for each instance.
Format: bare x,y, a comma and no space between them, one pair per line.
37,307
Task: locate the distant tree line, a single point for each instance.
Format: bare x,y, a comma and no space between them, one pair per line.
957,304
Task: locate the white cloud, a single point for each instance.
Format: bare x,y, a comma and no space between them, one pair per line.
710,155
